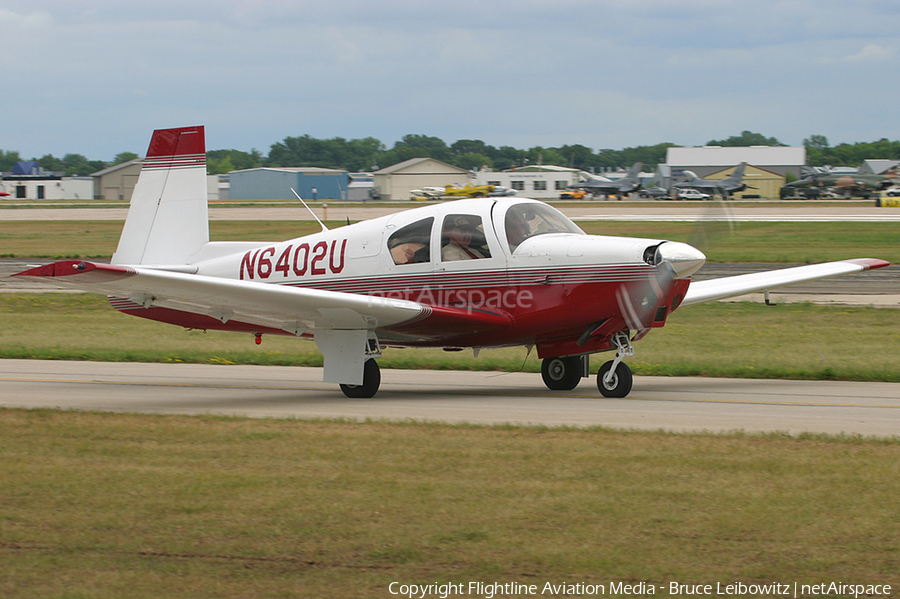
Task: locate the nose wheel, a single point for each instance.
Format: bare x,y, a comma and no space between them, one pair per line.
614,378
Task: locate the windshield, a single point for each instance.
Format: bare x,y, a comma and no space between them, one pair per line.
527,220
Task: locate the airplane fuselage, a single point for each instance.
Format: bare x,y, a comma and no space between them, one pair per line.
547,291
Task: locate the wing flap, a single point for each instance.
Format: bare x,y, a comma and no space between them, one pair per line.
715,289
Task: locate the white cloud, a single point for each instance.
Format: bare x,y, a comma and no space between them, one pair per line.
873,52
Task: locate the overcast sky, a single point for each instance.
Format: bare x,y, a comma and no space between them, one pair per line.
95,78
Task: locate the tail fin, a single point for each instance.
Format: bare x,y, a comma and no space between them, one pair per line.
738,175
168,221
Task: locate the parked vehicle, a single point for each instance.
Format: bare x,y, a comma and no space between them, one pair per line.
657,193
572,194
691,194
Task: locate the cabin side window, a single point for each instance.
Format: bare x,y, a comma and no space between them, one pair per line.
411,244
462,238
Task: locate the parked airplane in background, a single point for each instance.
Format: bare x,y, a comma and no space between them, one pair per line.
468,190
428,192
617,187
856,184
493,272
725,187
452,191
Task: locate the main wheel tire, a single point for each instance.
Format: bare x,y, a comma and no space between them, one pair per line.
561,374
621,382
371,382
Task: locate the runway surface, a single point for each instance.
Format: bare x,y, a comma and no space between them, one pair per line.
673,404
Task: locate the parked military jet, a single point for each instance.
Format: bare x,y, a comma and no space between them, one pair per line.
732,184
617,187
857,184
489,272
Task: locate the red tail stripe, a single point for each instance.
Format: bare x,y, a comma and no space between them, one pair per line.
178,142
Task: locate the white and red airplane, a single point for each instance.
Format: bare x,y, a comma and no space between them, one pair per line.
488,272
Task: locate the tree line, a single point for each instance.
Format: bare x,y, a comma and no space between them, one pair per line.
370,154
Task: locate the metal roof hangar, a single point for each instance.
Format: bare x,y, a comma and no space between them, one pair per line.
397,181
276,183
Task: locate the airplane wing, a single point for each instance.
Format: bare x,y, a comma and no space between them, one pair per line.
291,309
715,289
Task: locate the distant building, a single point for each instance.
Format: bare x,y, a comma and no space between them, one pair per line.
541,182
28,181
879,167
117,182
275,183
396,182
361,186
704,161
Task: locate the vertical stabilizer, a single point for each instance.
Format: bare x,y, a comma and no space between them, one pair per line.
168,221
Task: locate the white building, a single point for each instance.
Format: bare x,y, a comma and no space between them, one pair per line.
48,188
541,182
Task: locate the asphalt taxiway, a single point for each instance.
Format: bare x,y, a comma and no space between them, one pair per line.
686,404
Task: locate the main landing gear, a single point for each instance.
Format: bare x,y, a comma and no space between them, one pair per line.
371,382
563,374
613,380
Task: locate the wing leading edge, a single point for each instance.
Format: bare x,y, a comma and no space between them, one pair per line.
715,289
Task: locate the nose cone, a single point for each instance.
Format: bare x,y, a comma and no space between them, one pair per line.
683,259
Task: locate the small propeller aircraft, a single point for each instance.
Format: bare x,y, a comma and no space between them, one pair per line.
491,272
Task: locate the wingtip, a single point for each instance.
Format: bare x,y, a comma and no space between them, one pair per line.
870,263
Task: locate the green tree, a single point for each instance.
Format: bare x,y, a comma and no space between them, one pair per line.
123,157
8,160
51,163
78,165
225,161
746,139
473,161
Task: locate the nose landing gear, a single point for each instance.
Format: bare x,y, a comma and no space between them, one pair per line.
614,378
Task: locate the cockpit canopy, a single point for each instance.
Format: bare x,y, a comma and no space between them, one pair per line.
472,230
529,219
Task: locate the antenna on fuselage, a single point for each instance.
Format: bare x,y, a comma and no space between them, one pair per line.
324,228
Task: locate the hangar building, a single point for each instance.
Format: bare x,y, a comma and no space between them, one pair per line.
396,182
275,183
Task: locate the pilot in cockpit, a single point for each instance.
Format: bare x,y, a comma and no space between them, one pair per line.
459,232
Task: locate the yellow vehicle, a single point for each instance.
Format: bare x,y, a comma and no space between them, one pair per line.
572,194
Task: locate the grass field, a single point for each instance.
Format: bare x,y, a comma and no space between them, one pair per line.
719,339
749,242
126,506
